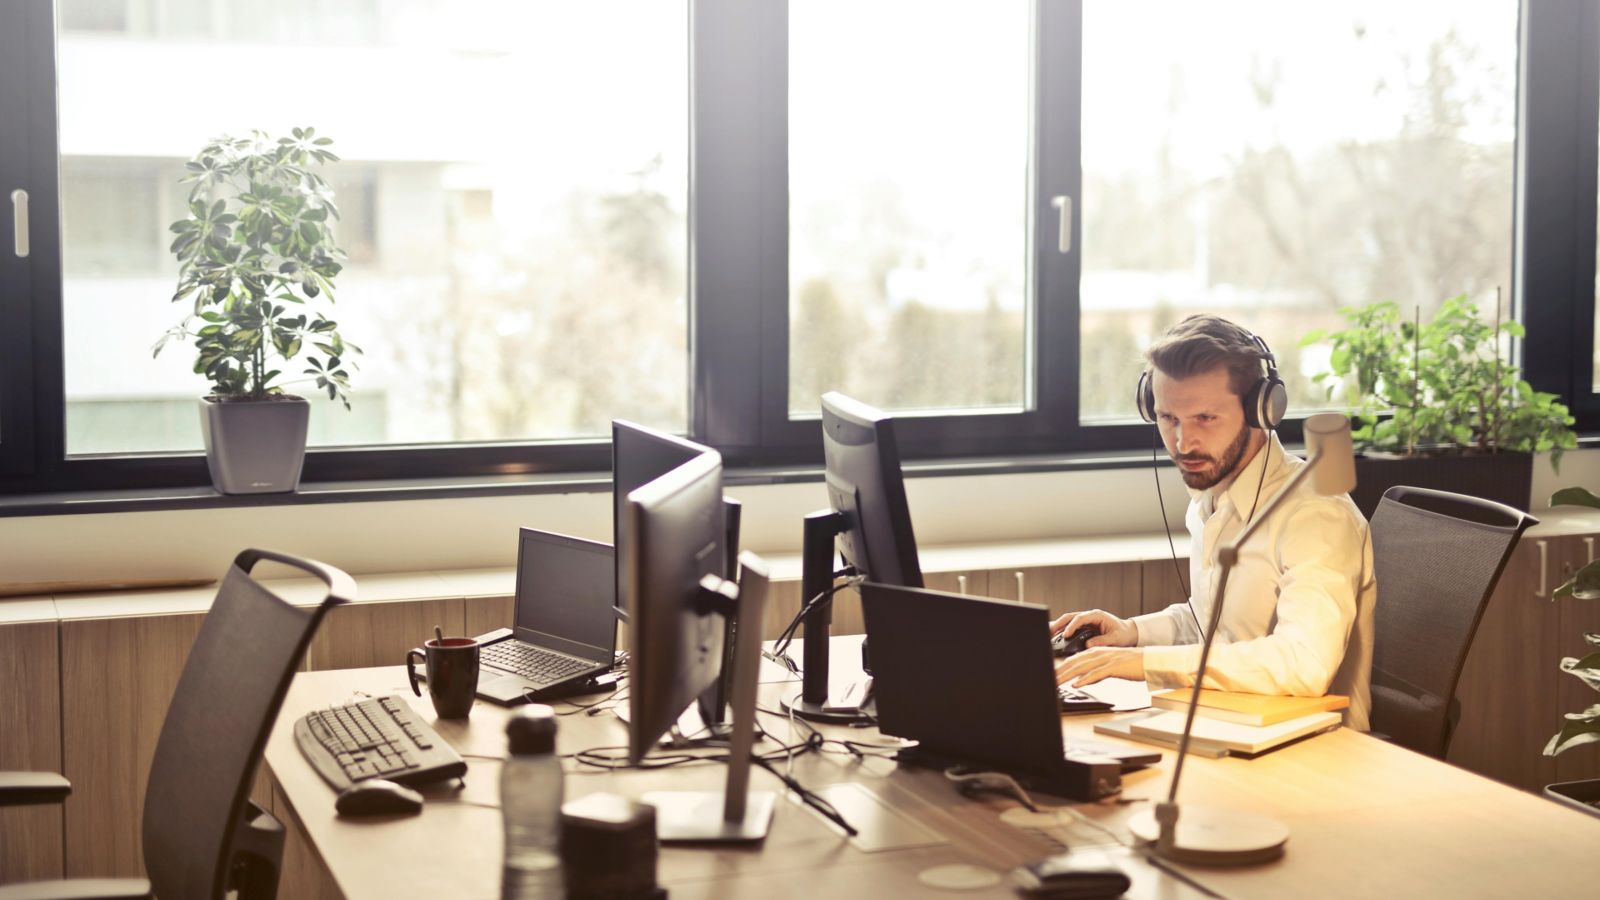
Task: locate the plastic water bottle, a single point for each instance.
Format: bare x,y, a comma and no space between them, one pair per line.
530,804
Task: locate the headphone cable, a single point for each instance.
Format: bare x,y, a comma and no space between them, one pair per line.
1155,471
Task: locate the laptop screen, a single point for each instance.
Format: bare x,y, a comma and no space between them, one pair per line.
566,588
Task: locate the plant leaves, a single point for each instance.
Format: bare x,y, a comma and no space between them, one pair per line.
1586,670
1580,728
1583,585
1574,496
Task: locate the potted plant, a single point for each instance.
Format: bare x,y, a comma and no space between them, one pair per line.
1435,406
1579,728
255,251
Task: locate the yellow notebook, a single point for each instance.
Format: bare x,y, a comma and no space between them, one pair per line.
1249,709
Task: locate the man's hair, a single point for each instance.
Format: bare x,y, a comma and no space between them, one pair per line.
1200,343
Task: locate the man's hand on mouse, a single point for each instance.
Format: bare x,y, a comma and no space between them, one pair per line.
1111,654
1114,632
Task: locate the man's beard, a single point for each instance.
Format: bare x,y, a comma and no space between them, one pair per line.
1210,477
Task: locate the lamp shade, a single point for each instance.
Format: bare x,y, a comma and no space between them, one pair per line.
1328,445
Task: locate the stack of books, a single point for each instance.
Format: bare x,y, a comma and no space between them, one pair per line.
1228,723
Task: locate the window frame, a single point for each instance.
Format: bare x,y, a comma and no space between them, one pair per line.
738,272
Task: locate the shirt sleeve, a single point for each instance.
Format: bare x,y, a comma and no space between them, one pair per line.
1321,568
1173,625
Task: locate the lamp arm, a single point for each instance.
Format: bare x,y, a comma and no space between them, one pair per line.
1226,558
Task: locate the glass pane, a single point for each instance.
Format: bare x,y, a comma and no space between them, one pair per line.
1274,162
908,195
512,197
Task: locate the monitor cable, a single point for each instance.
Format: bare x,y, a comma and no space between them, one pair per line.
778,654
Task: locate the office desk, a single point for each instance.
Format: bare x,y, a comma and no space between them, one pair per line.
1366,819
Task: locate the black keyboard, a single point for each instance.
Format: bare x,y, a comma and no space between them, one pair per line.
1073,700
533,663
379,738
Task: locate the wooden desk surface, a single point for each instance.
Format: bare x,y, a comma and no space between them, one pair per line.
1366,819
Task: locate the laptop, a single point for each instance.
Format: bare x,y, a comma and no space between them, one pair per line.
973,682
564,629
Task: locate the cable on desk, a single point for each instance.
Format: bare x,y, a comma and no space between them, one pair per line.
851,579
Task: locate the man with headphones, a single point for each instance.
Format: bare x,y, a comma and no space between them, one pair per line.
1297,618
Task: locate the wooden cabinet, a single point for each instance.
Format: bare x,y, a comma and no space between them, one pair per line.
30,740
1576,618
117,679
379,634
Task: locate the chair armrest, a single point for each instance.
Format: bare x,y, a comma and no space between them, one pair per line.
78,889
32,788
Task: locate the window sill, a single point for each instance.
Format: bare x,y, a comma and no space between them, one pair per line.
146,500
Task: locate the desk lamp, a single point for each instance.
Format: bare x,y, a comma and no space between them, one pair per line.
1212,835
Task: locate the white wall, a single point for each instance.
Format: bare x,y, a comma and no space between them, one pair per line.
417,535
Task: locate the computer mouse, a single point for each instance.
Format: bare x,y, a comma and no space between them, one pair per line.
1064,646
378,797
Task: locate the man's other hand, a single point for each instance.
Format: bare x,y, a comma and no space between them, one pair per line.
1101,662
1114,632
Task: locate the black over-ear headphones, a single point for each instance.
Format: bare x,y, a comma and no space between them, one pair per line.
1264,404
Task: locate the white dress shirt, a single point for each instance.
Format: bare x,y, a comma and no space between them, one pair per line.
1297,618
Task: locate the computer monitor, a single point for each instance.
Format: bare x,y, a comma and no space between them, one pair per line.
677,600
869,523
862,470
640,455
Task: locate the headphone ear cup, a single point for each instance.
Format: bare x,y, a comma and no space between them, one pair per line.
1274,401
1252,405
1144,398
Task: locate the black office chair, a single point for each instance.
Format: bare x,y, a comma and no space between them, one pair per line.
203,836
1437,557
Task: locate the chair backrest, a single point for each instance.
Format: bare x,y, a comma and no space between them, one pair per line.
1437,557
224,708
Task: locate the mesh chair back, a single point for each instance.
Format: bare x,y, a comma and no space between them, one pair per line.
1437,557
216,728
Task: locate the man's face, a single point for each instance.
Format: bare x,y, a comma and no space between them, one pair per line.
1202,423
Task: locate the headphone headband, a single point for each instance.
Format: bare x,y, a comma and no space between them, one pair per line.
1264,403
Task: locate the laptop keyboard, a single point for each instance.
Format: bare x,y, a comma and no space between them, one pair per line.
533,663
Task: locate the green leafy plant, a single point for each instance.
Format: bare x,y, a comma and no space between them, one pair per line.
256,248
1579,728
1439,386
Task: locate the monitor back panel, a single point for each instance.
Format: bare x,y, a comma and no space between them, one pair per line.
969,678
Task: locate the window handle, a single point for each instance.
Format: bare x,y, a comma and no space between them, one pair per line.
1064,233
1588,544
1022,583
961,584
19,219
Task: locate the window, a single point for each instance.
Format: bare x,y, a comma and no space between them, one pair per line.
1226,171
702,215
908,202
513,193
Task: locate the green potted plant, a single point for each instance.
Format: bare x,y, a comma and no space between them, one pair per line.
1579,728
1434,405
256,253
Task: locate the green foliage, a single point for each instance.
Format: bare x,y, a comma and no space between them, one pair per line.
257,243
1579,728
1440,386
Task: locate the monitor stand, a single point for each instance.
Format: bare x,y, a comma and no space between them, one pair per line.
821,531
736,813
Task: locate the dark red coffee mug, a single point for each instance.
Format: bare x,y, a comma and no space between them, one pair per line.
452,665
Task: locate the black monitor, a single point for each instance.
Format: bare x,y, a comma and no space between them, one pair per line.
862,470
639,455
677,600
869,521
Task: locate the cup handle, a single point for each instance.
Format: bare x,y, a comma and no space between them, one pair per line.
411,669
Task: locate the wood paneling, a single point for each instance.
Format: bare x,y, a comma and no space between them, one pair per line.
1113,587
485,614
117,679
1160,587
977,582
379,634
303,875
30,740
1507,688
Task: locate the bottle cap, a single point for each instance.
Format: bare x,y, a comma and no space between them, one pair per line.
532,730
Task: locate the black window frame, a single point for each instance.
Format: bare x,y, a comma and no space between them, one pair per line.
738,277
